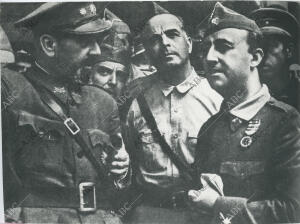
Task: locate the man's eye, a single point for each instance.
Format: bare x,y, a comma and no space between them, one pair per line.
223,47
172,34
104,71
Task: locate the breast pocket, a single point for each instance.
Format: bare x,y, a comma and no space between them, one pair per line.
42,142
150,153
243,177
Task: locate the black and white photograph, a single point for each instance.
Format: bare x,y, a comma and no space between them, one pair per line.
150,112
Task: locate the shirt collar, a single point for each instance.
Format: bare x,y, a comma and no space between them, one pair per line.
183,87
249,108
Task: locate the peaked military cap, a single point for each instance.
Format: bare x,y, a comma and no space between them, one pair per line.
276,21
223,17
68,17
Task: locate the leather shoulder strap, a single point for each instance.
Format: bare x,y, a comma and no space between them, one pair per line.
147,114
73,130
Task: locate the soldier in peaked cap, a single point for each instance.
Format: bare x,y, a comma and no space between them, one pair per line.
280,29
180,102
59,138
256,159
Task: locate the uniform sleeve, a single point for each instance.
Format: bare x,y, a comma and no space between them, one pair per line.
283,203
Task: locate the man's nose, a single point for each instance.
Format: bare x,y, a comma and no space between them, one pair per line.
165,40
95,49
211,55
113,79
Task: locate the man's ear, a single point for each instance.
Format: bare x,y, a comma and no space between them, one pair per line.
290,50
48,44
190,43
257,56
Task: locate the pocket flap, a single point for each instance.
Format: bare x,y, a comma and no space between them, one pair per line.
242,168
39,123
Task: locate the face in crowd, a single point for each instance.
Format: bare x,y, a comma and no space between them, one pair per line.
69,52
277,55
166,42
228,60
112,76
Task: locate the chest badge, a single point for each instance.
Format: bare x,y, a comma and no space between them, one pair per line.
246,141
61,90
251,129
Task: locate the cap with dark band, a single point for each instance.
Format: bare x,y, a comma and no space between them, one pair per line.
276,21
73,18
223,17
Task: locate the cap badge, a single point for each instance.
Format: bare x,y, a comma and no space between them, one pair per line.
215,20
91,10
83,11
267,23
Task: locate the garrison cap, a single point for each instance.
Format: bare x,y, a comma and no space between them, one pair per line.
223,17
67,17
118,25
276,21
116,46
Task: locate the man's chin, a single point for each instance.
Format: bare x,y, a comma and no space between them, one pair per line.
216,84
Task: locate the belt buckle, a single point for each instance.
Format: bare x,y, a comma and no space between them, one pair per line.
72,126
87,197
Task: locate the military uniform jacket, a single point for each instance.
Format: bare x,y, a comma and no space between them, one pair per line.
42,153
261,174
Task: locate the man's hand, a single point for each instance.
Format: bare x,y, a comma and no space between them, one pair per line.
203,199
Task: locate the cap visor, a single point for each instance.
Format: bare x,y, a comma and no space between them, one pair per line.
93,27
269,30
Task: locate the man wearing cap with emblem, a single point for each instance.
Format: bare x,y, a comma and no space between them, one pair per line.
110,70
280,29
62,138
179,102
253,143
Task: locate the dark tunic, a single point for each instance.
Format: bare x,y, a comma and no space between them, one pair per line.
42,153
261,181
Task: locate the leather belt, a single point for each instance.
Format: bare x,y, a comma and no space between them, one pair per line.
87,198
176,200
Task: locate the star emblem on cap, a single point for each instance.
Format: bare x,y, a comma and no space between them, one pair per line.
215,20
83,11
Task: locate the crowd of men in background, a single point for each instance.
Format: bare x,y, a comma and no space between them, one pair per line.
100,126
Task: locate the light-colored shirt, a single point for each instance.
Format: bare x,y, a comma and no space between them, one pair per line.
179,111
249,108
